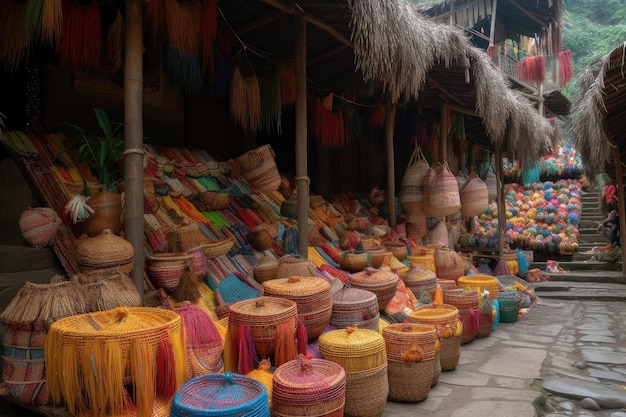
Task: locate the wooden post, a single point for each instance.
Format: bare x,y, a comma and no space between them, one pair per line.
302,178
133,133
500,202
390,110
443,133
540,107
621,203
492,29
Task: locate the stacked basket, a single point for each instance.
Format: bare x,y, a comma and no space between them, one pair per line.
378,255
313,297
361,353
411,355
221,395
382,283
353,260
418,278
355,307
445,318
309,387
480,282
466,301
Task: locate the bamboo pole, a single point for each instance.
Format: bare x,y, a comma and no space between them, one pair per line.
621,203
302,179
443,133
500,202
133,133
492,29
540,100
391,185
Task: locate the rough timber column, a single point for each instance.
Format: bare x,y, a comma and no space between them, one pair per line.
133,133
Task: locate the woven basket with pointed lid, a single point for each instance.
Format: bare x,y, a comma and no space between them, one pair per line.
313,297
382,283
295,266
445,318
309,387
106,250
355,307
91,357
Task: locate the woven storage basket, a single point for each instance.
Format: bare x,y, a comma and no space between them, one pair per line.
381,283
355,307
417,278
218,247
444,198
258,167
105,251
80,354
215,200
378,255
425,261
474,196
265,269
412,186
313,297
481,282
309,387
354,349
449,264
353,261
262,314
400,337
221,395
108,213
39,226
446,284
295,266
445,318
466,301
409,382
184,238
198,262
398,249
107,289
366,392
165,269
509,306
262,236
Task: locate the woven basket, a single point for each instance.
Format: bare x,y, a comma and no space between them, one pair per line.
447,284
481,282
418,278
213,200
474,196
355,350
184,238
79,348
289,209
445,318
313,297
366,392
467,304
309,387
444,198
355,307
262,314
265,269
381,283
105,251
165,269
39,226
448,264
400,337
295,266
509,306
258,167
353,261
108,213
107,289
378,255
398,249
409,382
197,262
412,186
485,323
221,395
219,247
262,236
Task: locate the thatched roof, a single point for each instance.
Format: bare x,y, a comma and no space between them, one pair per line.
598,122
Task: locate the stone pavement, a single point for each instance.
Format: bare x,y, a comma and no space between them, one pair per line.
564,357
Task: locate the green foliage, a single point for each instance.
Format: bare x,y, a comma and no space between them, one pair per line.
102,152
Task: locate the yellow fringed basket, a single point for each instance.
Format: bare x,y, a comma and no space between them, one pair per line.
355,350
91,357
481,282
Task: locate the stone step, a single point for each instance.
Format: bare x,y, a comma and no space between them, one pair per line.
14,258
589,267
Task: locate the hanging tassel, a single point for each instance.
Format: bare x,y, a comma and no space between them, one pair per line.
287,74
188,288
438,298
208,36
183,71
285,344
32,22
301,338
245,101
328,102
165,369
143,370
81,40
377,117
153,20
183,21
413,354
247,351
271,103
231,348
111,381
540,69
200,329
51,20
115,42
15,41
566,67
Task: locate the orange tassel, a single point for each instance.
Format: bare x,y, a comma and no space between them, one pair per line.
165,369
438,299
301,338
231,348
285,344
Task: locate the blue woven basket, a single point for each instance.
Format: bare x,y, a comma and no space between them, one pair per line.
223,395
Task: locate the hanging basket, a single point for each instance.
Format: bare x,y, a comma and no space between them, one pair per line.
444,198
39,226
258,167
474,196
412,187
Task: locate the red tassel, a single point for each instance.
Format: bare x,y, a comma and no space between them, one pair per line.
285,344
166,371
377,117
492,51
247,350
540,69
566,72
301,338
80,43
199,326
208,36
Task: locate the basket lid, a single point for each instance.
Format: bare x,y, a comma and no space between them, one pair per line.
313,375
220,394
351,342
104,249
373,277
417,272
435,312
296,286
349,296
408,330
264,310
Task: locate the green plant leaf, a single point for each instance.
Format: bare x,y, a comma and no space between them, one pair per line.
104,122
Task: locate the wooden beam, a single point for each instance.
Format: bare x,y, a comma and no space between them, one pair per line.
255,24
390,111
500,202
527,13
291,9
464,110
444,90
302,176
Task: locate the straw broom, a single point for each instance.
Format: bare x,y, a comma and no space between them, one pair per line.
51,20
182,25
16,42
188,289
80,43
245,101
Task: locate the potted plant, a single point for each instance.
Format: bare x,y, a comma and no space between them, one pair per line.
102,152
